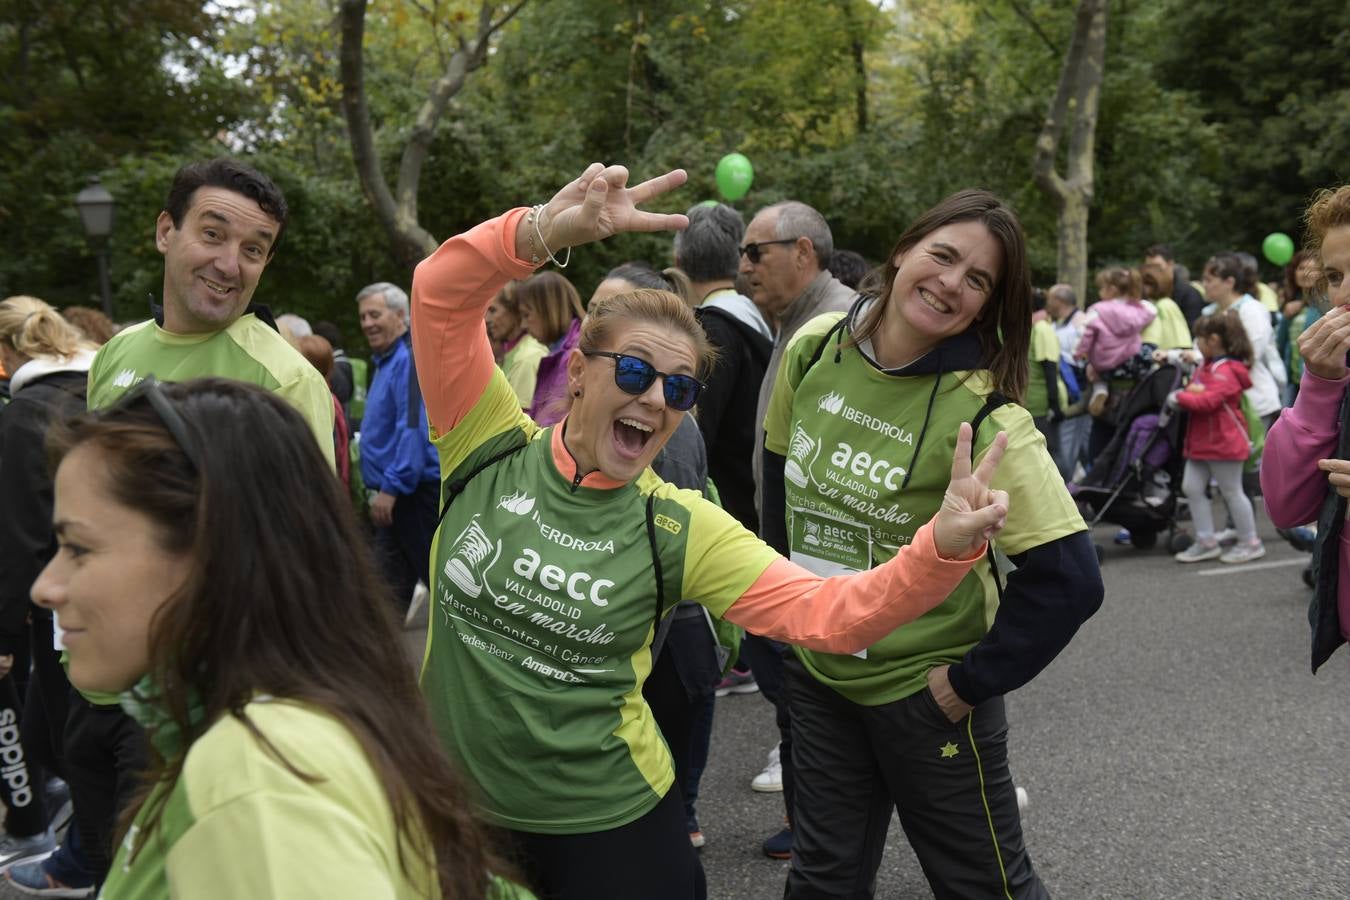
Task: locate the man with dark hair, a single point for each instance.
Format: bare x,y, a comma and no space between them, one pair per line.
708,251
1174,281
217,232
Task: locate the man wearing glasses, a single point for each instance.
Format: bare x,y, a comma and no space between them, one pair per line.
217,233
784,262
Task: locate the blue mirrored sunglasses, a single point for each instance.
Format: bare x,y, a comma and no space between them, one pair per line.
635,376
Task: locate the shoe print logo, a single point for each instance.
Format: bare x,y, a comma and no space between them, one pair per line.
800,456
466,564
811,533
519,503
831,403
125,378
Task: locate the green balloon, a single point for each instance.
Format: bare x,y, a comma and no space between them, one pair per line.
734,175
1278,247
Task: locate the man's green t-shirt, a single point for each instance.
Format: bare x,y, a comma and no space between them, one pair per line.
867,461
1044,348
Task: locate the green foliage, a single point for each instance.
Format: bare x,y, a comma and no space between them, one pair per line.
1218,119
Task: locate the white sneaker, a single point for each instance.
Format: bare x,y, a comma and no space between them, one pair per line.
1198,552
1242,553
1022,800
419,599
771,779
1227,537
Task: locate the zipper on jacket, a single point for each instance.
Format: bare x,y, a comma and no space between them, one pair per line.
576,481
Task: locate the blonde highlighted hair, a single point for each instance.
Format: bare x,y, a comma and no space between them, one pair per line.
553,300
647,305
36,329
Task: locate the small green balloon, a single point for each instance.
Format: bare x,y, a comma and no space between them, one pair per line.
1278,247
707,203
734,176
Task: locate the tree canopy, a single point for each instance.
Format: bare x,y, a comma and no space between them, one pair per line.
1217,120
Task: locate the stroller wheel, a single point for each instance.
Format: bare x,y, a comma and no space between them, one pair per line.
1144,540
1180,541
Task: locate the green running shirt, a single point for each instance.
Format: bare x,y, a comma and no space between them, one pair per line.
850,434
544,611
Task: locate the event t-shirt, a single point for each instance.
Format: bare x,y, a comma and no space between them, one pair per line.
867,461
521,365
1044,348
247,350
543,619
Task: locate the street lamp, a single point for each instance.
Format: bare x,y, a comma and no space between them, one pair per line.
96,213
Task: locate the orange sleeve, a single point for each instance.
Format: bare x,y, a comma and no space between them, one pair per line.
848,613
451,290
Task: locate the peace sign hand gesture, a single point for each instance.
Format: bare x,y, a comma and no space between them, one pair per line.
972,513
600,204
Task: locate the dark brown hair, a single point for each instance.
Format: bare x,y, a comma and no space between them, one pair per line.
1228,326
552,298
1005,331
91,322
1291,289
290,606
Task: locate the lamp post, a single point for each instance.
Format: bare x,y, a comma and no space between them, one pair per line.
96,213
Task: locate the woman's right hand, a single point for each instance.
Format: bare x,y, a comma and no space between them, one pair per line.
597,205
972,513
1324,345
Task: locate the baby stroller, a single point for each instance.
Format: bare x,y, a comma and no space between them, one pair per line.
1135,482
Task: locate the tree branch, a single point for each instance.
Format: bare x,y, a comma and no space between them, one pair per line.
1025,15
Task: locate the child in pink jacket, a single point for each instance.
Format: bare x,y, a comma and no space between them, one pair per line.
1112,337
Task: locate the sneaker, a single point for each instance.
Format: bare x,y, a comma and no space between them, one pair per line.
16,851
737,683
1097,404
1226,538
419,599
780,845
1122,537
1301,538
32,880
1198,552
1023,801
697,839
769,781
1242,553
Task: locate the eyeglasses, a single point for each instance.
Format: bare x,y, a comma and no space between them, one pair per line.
634,376
752,250
153,392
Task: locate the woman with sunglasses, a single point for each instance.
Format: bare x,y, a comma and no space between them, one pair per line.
291,753
862,421
558,551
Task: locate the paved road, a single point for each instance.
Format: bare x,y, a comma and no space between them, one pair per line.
1178,748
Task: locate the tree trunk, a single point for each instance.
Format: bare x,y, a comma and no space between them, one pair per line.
1077,99
396,209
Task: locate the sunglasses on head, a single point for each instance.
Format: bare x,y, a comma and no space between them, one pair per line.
753,252
152,392
634,376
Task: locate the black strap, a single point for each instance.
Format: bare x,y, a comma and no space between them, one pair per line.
656,557
414,414
456,486
991,403
820,348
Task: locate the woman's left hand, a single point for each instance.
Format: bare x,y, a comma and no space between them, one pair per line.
1338,474
971,512
940,684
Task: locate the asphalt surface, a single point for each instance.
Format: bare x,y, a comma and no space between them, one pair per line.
1178,748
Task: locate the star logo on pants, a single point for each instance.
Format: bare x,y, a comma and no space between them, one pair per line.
949,750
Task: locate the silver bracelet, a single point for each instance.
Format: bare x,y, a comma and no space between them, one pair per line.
538,214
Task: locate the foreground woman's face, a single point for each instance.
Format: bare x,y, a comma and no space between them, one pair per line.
107,579
620,433
1336,264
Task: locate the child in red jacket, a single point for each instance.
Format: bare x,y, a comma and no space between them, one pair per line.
1217,445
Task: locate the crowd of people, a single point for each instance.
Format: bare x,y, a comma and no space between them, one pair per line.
766,467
